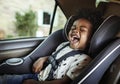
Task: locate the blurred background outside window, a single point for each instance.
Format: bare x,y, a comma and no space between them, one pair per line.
28,18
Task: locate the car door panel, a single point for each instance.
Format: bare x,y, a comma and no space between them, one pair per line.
18,47
43,49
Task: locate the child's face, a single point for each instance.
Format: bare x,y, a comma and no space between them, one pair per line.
80,34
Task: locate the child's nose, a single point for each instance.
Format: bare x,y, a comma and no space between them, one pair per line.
76,30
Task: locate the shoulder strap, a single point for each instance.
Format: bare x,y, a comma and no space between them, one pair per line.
55,54
56,62
72,53
52,60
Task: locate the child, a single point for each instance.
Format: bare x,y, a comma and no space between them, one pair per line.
79,37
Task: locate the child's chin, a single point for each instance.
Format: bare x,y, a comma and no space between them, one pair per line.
74,46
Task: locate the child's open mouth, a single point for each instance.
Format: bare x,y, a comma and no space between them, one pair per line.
75,39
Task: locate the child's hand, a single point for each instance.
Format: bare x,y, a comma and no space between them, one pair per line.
38,65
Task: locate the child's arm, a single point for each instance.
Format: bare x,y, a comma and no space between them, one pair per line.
38,65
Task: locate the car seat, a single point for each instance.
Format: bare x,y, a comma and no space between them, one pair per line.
44,49
102,37
104,49
112,75
109,8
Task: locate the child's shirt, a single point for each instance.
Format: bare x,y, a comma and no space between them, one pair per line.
71,66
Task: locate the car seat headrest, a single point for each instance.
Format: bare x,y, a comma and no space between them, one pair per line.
112,8
104,34
68,26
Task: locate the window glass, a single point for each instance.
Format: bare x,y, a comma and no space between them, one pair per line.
59,21
25,18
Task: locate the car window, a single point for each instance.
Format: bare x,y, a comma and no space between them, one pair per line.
28,18
59,21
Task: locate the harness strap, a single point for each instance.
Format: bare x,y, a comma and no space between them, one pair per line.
55,62
72,53
55,54
52,60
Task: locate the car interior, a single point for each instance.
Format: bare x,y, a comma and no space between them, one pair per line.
104,46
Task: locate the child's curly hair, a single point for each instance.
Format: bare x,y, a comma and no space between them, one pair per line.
93,16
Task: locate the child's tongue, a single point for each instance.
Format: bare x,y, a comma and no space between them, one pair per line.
75,39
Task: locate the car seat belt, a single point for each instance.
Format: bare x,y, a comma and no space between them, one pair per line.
54,62
53,56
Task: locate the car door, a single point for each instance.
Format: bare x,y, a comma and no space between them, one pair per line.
18,47
31,23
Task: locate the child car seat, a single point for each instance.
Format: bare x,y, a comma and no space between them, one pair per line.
104,49
102,57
